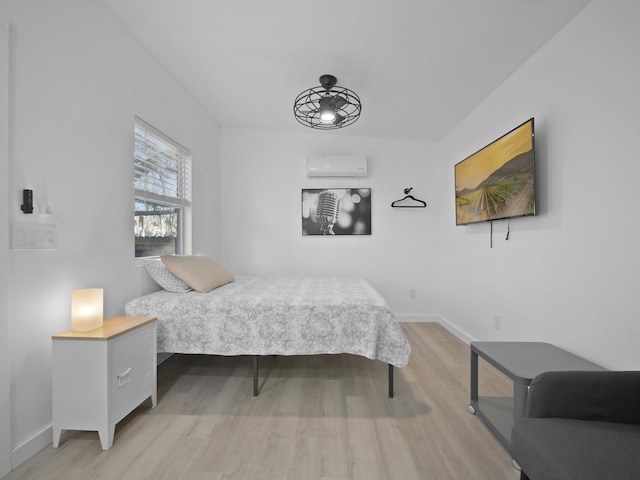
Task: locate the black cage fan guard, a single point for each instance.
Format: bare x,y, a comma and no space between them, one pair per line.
328,106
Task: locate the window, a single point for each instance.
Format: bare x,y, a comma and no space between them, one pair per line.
162,186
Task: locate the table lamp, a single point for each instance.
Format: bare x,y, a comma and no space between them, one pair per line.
86,309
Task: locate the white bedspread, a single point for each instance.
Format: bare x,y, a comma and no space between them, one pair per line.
278,316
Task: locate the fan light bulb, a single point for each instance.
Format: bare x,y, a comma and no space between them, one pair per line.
328,116
327,110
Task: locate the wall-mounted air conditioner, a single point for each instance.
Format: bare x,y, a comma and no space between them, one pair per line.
337,166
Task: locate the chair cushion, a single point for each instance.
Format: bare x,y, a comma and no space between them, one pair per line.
567,449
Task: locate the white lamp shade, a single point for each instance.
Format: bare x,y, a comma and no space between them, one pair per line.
86,309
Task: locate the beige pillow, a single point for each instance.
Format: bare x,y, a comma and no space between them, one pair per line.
201,273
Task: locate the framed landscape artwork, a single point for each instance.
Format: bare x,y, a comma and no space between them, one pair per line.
336,211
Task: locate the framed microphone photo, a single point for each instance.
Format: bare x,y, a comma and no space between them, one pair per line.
336,211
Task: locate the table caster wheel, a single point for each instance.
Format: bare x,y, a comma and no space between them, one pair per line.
471,409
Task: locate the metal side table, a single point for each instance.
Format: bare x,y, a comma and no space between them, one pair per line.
521,362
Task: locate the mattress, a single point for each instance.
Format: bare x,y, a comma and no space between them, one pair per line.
278,316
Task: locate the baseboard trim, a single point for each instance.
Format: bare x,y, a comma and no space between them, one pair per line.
416,318
462,335
30,447
434,318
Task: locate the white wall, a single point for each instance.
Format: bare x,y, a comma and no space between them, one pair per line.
570,275
5,344
78,79
264,172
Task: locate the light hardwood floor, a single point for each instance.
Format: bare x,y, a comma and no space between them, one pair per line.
317,417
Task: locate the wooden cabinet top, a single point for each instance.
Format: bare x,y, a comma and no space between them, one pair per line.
112,327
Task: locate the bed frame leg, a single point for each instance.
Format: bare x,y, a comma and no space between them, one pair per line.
255,375
390,381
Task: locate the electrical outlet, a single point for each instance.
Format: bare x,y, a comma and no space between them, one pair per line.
497,321
412,293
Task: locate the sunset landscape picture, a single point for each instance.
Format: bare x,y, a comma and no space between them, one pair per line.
497,182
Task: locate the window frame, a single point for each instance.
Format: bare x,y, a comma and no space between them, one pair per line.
163,165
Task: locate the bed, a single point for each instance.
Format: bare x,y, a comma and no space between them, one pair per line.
278,316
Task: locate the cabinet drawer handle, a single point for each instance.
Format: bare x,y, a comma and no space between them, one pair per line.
124,377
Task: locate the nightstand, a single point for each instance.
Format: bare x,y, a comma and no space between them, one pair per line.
101,376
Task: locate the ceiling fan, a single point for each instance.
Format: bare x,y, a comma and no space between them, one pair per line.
327,106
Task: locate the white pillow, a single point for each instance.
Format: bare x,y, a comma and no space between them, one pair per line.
199,272
163,277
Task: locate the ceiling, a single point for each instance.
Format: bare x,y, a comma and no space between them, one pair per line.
419,66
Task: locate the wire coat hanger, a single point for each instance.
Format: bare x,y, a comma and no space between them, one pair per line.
422,203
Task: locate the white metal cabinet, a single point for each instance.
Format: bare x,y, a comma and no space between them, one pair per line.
101,376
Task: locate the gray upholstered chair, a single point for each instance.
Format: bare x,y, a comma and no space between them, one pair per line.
580,425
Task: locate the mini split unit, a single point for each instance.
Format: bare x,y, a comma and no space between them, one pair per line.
336,166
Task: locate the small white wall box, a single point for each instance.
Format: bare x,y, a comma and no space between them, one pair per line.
336,166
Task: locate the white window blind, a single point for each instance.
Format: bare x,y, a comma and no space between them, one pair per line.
162,191
162,167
